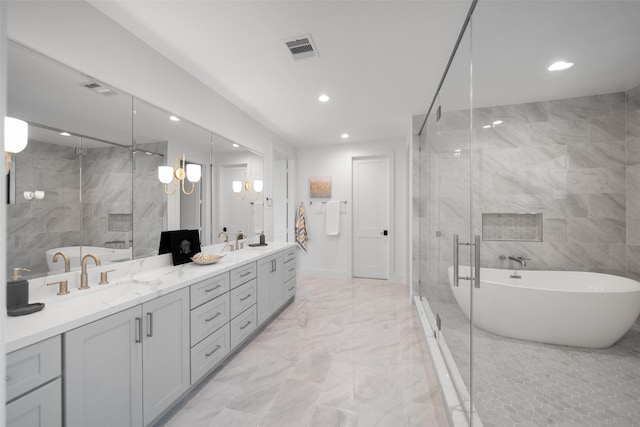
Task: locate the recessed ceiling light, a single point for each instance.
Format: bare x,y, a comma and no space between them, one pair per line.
324,97
486,127
344,136
65,134
234,145
497,122
174,119
560,66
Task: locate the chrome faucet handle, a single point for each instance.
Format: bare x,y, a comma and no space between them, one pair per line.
103,277
63,289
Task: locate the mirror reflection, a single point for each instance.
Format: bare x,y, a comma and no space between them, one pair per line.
239,196
88,180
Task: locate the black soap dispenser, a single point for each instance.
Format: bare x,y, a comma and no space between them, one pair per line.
17,289
262,239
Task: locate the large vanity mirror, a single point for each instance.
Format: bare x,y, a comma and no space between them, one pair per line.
88,180
71,186
238,195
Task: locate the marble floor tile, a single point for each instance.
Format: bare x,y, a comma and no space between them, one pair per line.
345,353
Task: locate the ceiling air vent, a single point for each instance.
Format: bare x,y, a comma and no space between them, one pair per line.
301,47
98,88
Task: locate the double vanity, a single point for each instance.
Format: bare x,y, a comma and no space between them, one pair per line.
125,353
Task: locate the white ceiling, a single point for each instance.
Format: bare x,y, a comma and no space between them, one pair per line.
381,61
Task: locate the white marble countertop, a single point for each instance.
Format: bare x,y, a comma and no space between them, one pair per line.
133,283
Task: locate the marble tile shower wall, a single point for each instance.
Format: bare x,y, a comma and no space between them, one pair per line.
106,189
575,160
149,205
33,226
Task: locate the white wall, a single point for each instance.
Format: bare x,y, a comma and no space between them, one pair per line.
331,255
3,195
79,36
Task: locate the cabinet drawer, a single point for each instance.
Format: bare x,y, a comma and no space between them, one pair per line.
209,352
242,326
289,270
290,254
243,297
32,366
289,289
208,289
40,408
243,274
209,317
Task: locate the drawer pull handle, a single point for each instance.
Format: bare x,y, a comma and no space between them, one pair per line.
214,316
245,274
8,378
242,299
247,324
292,288
149,324
213,289
138,329
291,269
218,347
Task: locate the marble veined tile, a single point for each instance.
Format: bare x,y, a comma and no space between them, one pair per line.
584,107
532,112
605,129
563,132
231,418
325,416
633,99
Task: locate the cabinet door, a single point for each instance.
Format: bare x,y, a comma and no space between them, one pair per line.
265,268
103,372
276,284
40,408
166,351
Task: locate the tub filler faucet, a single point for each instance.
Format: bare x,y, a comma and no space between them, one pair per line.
521,259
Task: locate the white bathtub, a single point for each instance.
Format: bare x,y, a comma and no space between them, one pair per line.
557,307
106,255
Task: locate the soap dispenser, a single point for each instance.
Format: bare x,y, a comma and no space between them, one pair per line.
17,289
262,238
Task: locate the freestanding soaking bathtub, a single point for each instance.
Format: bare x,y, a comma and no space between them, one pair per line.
557,307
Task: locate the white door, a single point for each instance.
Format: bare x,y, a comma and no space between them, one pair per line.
371,217
235,215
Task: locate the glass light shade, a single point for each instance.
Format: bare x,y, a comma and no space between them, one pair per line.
165,174
193,172
39,194
16,135
258,185
237,186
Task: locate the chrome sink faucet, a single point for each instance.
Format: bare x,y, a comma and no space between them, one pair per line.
84,275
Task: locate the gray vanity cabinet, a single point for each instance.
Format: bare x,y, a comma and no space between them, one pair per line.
103,372
270,286
166,355
33,385
108,364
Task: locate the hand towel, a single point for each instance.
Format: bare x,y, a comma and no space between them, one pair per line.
333,218
301,228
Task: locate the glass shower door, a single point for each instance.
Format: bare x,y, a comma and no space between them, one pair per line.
449,235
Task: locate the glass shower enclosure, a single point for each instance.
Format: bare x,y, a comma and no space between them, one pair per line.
520,168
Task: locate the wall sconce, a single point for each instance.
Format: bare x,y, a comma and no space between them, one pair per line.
16,135
242,189
37,194
191,172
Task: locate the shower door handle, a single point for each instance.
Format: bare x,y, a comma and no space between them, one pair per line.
456,260
476,251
